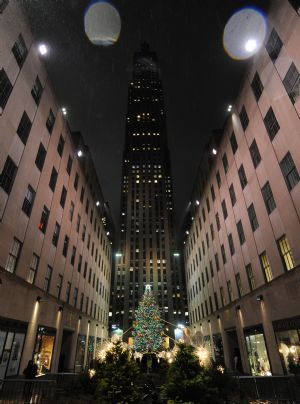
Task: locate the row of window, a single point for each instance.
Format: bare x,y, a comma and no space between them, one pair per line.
287,258
12,261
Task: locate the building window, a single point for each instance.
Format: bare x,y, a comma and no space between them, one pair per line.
240,231
217,262
44,220
60,145
73,255
244,118
59,286
231,245
81,194
69,165
3,4
68,292
40,157
232,195
37,91
213,195
13,256
224,209
218,221
5,89
286,253
24,128
212,231
50,121
229,289
239,284
218,178
71,211
28,201
268,197
47,280
79,263
289,171
274,45
63,197
271,123
20,50
252,217
257,86
53,179
8,175
65,247
225,162
250,277
266,267
222,296
233,143
291,83
56,233
223,254
242,176
33,268
76,180
255,155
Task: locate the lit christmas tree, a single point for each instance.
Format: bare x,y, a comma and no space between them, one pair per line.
148,327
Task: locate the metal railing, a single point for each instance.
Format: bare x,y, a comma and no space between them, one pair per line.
277,388
20,391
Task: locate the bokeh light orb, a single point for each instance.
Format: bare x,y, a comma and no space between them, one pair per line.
102,23
245,33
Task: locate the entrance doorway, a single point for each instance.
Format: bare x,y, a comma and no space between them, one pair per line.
64,364
234,351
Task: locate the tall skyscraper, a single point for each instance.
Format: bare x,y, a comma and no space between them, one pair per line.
146,254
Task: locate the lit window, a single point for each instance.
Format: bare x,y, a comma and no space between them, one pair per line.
13,256
266,267
286,253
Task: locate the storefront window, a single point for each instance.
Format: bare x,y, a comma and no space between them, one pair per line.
289,349
44,346
257,353
287,332
79,360
11,346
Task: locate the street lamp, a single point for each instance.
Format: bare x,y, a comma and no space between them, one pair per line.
79,153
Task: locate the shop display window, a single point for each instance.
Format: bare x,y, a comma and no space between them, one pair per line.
289,349
44,346
257,353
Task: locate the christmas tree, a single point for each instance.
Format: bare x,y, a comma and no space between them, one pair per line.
148,327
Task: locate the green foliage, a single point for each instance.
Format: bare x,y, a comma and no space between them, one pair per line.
117,377
188,382
147,327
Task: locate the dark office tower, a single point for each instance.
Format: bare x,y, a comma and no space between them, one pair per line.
146,234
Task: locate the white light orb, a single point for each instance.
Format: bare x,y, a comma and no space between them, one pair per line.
251,45
43,49
244,33
102,23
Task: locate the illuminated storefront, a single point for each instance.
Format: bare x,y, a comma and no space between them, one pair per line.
257,352
287,334
43,351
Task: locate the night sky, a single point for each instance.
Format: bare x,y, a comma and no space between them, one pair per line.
199,78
